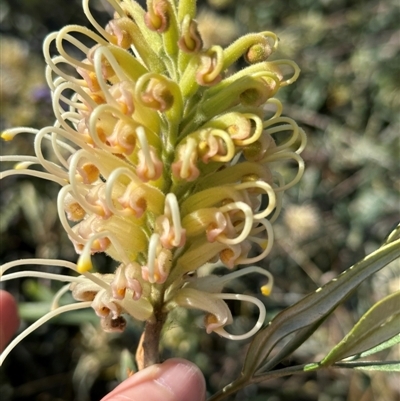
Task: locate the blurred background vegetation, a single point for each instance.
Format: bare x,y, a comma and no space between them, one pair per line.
347,99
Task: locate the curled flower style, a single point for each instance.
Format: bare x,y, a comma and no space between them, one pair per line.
164,161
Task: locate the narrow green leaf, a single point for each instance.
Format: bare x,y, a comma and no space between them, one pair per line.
379,324
394,235
316,306
383,368
298,339
387,344
390,366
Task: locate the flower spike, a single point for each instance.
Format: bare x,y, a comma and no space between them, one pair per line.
165,162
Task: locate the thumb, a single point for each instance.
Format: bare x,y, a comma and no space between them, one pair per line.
9,319
173,380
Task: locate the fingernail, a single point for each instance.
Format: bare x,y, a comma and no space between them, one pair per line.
173,380
183,379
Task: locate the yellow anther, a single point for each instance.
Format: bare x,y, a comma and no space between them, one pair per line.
100,244
124,107
203,147
210,319
76,211
91,172
233,129
226,256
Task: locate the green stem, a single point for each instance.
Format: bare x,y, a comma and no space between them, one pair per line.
279,373
231,388
242,381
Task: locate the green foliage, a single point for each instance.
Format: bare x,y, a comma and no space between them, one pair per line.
311,311
378,327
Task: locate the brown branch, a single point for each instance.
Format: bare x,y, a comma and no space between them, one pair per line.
148,350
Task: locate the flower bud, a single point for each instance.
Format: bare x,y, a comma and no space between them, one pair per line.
156,94
210,69
119,29
157,18
190,40
258,52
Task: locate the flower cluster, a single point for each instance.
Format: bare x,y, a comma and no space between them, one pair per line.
165,161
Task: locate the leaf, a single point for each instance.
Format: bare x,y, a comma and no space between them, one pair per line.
392,366
301,336
315,307
390,343
395,234
378,325
395,367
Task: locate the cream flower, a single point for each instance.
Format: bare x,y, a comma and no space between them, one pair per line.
165,163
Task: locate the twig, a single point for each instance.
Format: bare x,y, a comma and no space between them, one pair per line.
148,350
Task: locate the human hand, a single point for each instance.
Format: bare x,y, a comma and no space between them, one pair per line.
9,320
173,380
